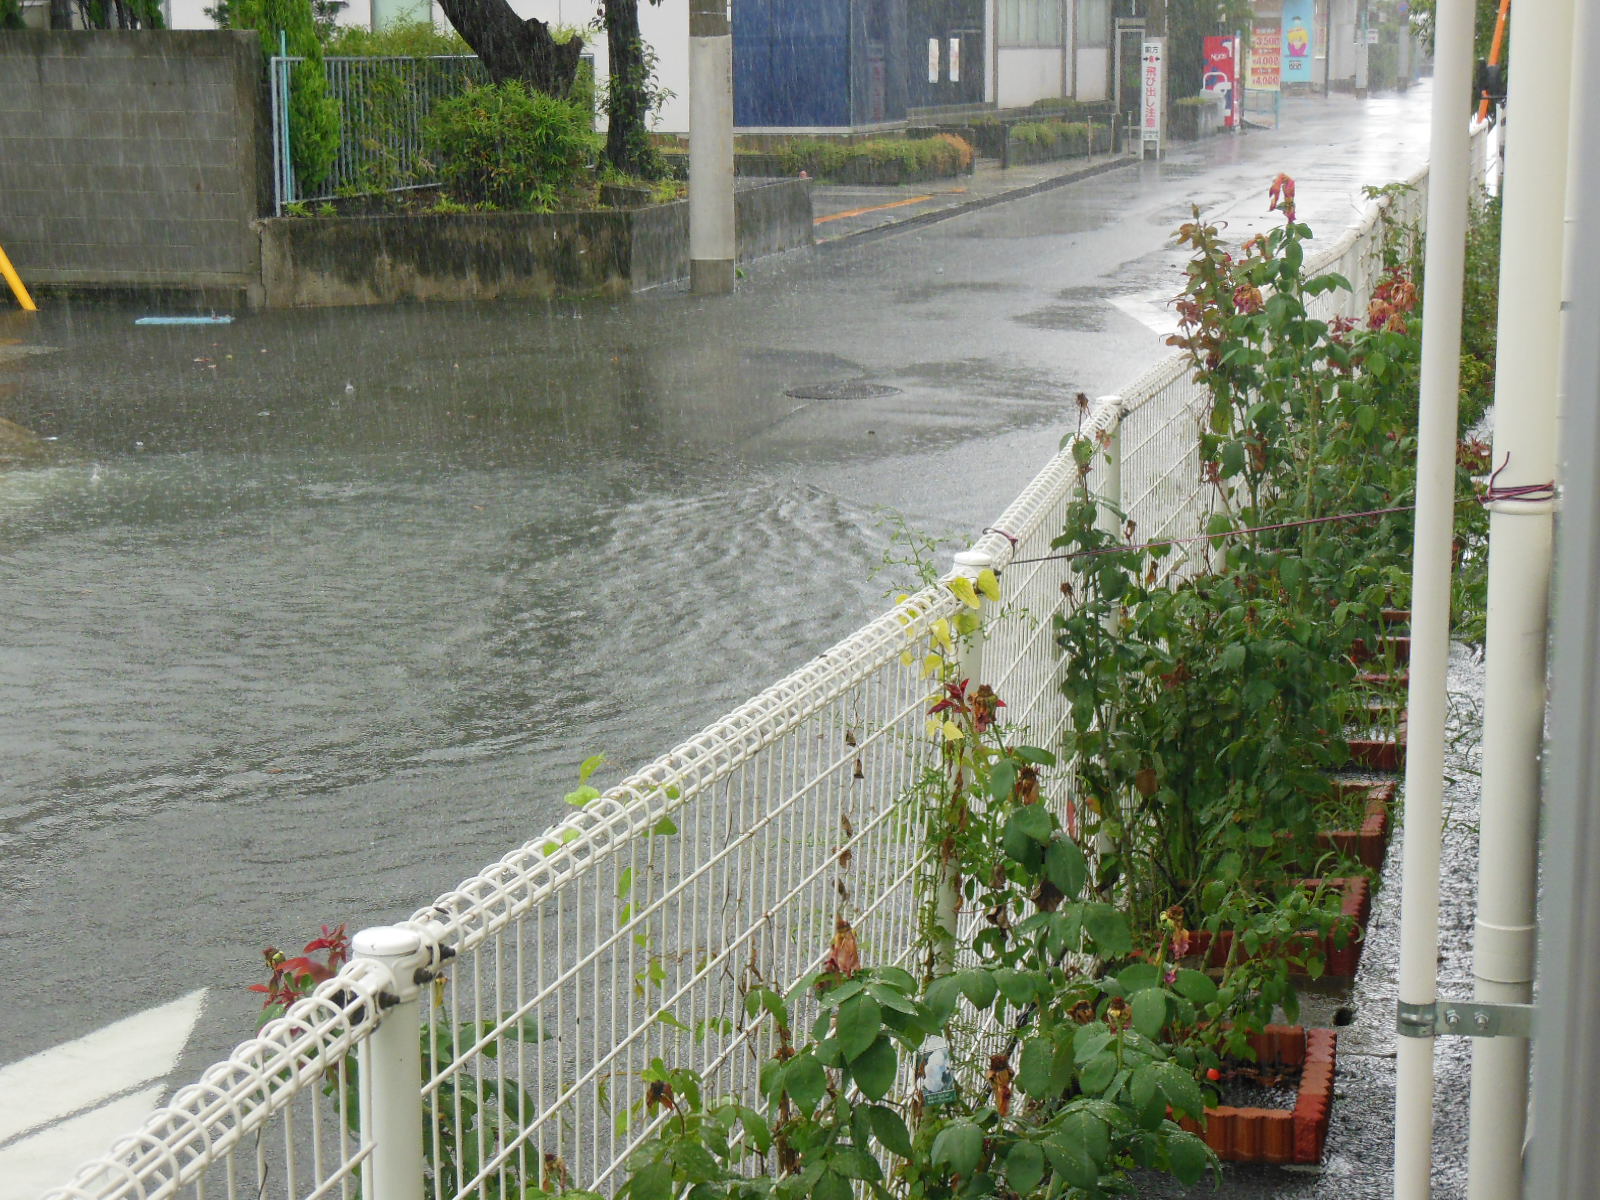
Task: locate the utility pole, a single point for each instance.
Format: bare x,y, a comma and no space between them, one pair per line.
711,217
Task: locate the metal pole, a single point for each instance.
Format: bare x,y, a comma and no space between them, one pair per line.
391,1070
1362,20
1520,543
711,219
1430,591
1564,1157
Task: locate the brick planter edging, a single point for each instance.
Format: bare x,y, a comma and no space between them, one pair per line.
1381,754
1279,1135
1370,841
1339,962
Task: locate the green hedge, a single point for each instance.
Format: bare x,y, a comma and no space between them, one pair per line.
1060,138
882,160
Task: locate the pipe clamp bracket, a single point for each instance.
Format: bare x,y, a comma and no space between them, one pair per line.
1464,1018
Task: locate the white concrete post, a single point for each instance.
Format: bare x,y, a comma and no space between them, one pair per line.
711,220
391,1070
1430,593
1520,544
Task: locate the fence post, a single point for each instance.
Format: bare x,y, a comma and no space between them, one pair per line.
1109,517
391,1069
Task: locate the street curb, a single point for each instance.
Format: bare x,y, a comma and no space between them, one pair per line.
955,210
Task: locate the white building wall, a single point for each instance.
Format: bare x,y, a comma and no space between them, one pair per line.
1026,74
1094,74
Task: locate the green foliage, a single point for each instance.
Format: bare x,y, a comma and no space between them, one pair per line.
504,145
313,113
901,158
406,39
1480,311
1054,137
11,14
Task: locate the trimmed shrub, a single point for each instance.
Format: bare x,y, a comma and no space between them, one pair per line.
882,160
504,145
1053,139
313,113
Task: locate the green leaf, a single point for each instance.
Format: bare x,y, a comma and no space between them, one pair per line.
1070,1162
663,827
860,1022
1190,1157
1108,928
1018,987
1150,1012
1195,985
1183,1093
1138,976
1089,1131
1002,778
1096,1075
1219,523
1024,1167
756,1128
959,1146
1032,821
1231,459
832,1186
854,1163
652,1183
805,1081
1232,657
1066,867
589,766
875,1067
890,1130
978,986
624,883
941,998
1033,754
1037,1074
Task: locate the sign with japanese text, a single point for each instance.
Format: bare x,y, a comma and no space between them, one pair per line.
1299,41
1152,89
1266,51
1221,76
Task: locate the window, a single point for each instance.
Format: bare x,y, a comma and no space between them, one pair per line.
1094,23
1031,22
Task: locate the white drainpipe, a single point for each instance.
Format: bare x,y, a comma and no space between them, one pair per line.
1520,539
1430,594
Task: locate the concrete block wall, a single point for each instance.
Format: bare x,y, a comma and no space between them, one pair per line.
134,160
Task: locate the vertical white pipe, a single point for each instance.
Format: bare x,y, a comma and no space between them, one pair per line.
711,220
1564,1159
391,1072
1430,589
1520,539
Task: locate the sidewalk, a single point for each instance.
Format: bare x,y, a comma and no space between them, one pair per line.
863,210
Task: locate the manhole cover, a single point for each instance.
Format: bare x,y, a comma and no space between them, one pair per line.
848,389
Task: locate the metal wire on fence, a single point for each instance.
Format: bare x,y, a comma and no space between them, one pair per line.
383,103
531,1000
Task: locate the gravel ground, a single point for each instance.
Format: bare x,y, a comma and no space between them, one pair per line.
1360,1150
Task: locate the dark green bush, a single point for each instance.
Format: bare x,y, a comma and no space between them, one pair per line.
943,154
504,145
313,113
1060,137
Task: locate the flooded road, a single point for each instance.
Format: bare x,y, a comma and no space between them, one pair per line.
310,616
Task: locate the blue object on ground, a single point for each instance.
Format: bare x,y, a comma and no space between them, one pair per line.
184,321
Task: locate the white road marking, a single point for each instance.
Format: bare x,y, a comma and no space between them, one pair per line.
71,1102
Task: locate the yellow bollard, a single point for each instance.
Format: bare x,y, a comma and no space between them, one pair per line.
15,280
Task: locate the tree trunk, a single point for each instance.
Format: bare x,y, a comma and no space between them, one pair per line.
628,147
511,48
61,15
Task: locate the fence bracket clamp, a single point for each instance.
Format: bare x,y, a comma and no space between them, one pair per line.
1464,1018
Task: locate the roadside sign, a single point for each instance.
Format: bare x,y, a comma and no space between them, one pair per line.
1152,90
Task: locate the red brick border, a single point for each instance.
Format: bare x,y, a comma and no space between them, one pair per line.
1279,1135
1370,841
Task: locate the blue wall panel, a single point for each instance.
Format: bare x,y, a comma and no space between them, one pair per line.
791,62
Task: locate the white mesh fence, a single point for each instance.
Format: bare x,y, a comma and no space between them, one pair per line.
632,930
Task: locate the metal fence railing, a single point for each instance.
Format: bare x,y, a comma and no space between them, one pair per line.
530,1000
382,104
